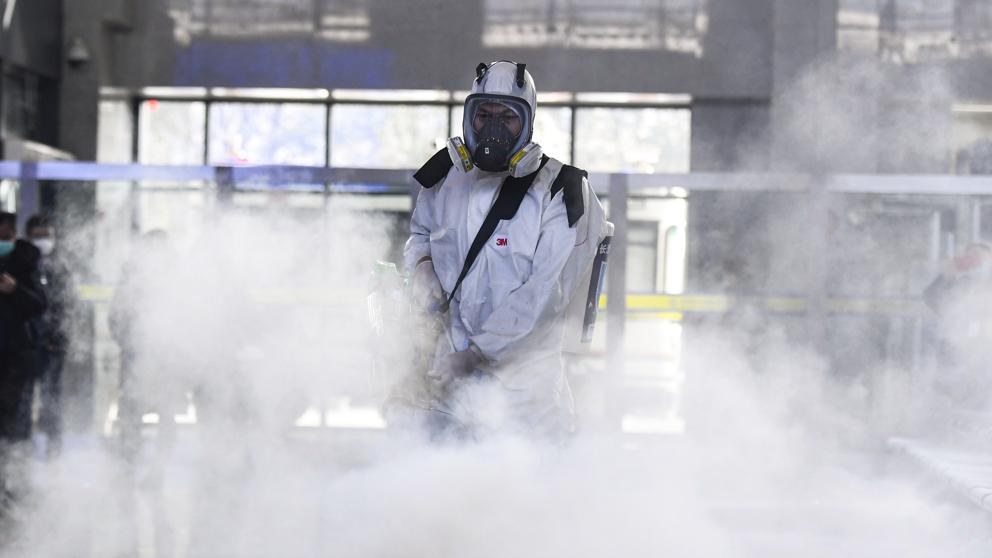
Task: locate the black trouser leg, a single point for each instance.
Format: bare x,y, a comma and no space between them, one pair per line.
50,384
14,379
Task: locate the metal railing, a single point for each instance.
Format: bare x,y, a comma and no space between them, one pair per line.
815,305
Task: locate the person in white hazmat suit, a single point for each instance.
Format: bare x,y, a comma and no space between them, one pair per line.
500,239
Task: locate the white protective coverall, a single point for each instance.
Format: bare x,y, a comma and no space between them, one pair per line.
510,307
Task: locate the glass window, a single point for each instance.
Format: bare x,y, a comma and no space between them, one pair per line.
171,132
675,260
457,112
386,136
857,26
642,140
642,254
674,25
8,195
27,97
268,133
552,129
915,31
252,19
114,132
345,20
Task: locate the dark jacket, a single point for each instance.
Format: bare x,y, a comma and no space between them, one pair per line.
51,327
17,309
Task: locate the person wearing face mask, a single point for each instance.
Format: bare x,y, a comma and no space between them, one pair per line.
500,238
51,331
21,300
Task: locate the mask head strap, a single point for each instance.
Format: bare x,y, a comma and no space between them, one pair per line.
480,71
520,75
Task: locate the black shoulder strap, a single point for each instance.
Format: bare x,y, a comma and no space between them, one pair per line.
569,179
511,195
434,169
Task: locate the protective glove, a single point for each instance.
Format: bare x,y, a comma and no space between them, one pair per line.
455,366
426,287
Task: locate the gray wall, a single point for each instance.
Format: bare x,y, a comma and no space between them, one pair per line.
427,44
437,43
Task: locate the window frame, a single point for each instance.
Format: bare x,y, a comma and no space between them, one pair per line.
448,100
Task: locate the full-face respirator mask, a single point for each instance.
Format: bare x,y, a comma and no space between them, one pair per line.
498,121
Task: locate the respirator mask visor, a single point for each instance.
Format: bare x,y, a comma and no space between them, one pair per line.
495,128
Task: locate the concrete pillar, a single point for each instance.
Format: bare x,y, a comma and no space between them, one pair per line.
80,87
805,35
804,32
75,202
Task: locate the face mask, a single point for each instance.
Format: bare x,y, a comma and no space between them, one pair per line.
6,247
45,245
495,128
493,152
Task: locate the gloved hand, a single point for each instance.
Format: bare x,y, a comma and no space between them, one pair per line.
455,366
426,287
